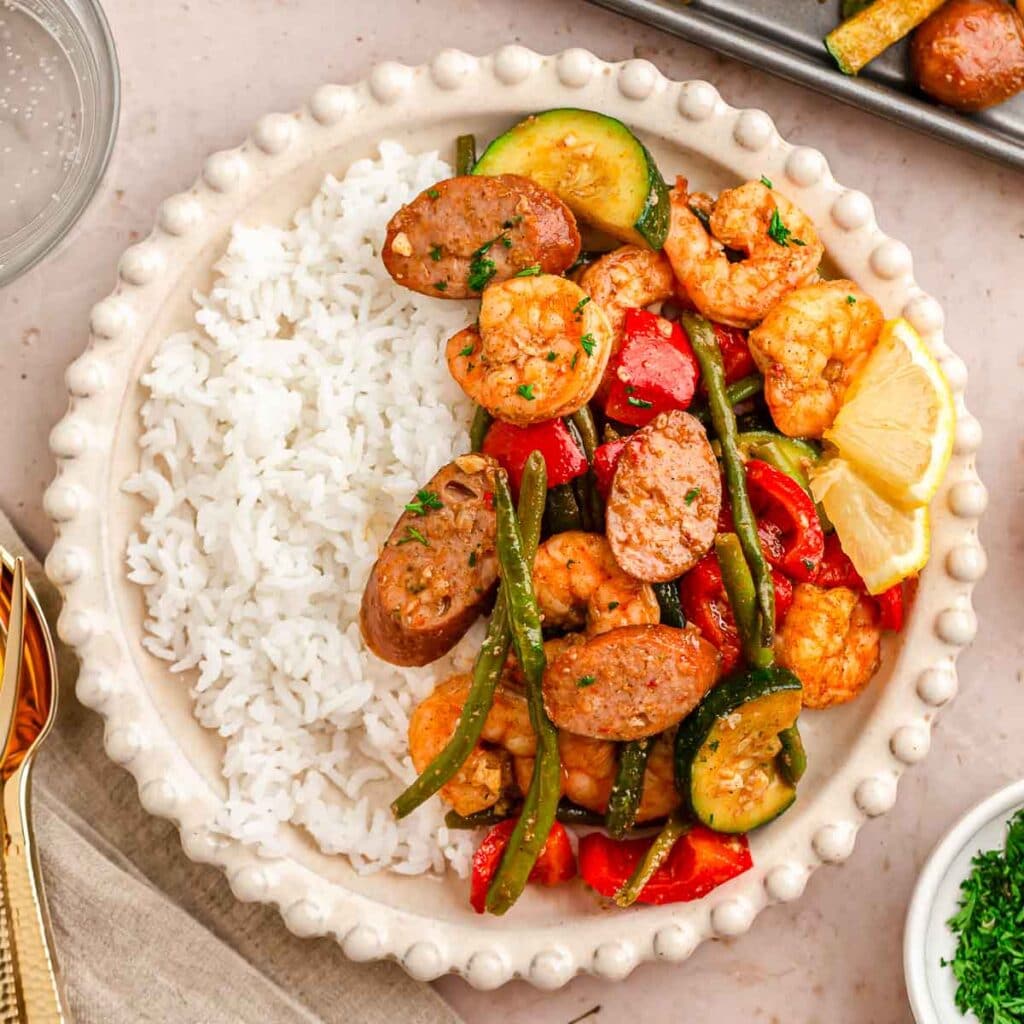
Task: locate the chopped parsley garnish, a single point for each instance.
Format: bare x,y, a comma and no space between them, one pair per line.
989,960
525,391
640,403
435,252
467,351
799,241
551,357
691,495
851,300
575,356
472,559
433,193
481,270
531,271
778,232
441,286
584,681
588,344
506,241
713,745
424,500
578,309
612,605
412,534
767,182
807,564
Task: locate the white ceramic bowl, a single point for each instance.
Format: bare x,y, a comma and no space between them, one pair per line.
927,938
857,752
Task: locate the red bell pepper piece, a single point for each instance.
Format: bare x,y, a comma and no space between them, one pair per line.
700,861
555,864
835,568
512,446
706,604
606,459
655,370
736,355
890,608
789,526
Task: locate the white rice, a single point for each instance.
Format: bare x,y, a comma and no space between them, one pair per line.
282,436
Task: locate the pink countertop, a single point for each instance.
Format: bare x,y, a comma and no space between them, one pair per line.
196,76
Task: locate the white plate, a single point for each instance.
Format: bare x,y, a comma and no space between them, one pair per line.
856,752
927,939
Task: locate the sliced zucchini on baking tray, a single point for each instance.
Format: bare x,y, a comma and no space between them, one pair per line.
732,764
595,164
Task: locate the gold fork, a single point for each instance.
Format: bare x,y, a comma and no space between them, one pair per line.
28,705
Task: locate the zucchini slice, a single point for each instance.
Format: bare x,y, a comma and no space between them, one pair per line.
728,763
595,164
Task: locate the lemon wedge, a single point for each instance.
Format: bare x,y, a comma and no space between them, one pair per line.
897,420
886,542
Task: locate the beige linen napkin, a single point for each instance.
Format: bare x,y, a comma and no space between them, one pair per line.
144,935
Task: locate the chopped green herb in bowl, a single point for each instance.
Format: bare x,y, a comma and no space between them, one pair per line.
989,960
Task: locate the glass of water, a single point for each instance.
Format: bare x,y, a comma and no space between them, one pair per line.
59,105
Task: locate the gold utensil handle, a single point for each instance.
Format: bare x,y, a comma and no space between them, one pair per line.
28,918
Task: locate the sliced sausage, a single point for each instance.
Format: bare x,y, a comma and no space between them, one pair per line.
969,54
463,233
630,682
665,499
438,568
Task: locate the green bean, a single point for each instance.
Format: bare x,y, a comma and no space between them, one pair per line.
482,421
562,511
465,154
739,391
793,756
490,662
628,787
541,801
567,813
705,347
674,829
745,388
478,819
572,814
668,601
590,497
583,420
739,587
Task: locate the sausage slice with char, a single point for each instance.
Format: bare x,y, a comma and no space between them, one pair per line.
630,682
438,569
463,233
665,499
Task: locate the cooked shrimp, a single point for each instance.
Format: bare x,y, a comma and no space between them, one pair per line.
830,641
588,772
629,277
809,347
779,243
578,583
487,773
540,350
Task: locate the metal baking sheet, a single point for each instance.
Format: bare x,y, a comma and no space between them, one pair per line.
785,38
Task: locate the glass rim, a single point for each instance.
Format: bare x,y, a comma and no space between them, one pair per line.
22,250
